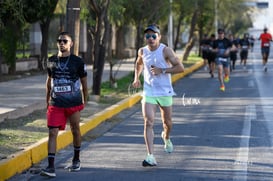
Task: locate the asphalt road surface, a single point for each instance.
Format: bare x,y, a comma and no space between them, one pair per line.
217,135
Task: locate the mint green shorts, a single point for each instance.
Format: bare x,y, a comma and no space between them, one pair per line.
161,100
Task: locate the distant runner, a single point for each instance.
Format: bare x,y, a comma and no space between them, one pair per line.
265,38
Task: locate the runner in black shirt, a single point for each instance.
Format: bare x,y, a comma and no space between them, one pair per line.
244,46
222,48
233,51
211,56
205,50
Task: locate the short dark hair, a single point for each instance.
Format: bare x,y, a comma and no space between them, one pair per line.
65,33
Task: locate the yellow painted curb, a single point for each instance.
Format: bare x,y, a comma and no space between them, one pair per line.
33,154
38,151
109,112
187,71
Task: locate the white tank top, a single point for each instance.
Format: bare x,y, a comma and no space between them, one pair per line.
156,85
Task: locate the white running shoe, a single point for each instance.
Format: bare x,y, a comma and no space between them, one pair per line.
75,167
168,143
149,161
49,172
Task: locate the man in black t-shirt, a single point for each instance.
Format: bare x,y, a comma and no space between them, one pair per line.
205,49
221,47
233,51
244,46
65,99
211,55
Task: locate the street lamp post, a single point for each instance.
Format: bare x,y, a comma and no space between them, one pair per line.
73,22
170,27
216,16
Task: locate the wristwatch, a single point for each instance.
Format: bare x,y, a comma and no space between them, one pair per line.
163,70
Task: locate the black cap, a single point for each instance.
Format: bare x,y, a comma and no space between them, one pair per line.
153,28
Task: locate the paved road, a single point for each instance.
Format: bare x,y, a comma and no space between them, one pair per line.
217,135
22,96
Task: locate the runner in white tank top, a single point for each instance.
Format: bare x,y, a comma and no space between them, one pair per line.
157,62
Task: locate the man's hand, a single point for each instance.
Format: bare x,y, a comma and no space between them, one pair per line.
136,84
155,70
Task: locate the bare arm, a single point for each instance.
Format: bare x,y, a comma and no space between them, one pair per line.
48,89
177,66
84,89
138,69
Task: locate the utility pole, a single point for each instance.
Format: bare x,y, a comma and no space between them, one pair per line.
73,22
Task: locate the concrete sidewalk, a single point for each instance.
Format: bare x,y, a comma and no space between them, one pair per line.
23,96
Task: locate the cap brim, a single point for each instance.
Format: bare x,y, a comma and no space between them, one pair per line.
152,28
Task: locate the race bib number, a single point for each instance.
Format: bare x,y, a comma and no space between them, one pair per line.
244,47
222,59
62,89
266,44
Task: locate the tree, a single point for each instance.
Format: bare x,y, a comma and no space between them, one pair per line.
140,13
194,16
201,13
43,12
11,22
116,18
100,34
230,21
192,35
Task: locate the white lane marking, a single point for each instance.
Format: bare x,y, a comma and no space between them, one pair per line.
242,161
268,114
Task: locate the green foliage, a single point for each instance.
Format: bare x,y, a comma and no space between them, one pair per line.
87,13
122,83
11,20
10,11
38,10
146,12
8,44
117,9
233,16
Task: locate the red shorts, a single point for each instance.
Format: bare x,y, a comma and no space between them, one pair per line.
57,116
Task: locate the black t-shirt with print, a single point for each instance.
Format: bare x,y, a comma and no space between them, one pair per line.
222,46
65,73
244,43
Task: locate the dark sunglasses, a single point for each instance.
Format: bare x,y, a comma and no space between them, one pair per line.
150,35
62,40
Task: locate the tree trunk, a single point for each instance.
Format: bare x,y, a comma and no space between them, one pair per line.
98,70
178,32
191,40
120,42
73,23
139,40
90,47
100,44
44,46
